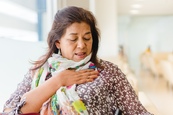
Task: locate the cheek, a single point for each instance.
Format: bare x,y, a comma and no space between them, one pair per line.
90,46
70,49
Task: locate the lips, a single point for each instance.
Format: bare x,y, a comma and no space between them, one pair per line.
80,54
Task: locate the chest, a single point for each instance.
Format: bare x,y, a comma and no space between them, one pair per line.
93,92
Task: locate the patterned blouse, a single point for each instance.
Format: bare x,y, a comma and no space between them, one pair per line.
107,93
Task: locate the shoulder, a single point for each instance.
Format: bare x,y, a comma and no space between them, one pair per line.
111,71
109,66
106,64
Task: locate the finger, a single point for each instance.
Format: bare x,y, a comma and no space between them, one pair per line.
83,74
93,76
89,80
94,72
87,77
86,70
84,81
91,73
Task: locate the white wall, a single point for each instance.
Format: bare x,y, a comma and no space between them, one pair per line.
14,63
80,3
140,31
106,16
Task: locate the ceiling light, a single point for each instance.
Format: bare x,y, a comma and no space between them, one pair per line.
136,6
134,11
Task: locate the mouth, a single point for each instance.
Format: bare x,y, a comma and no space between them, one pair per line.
80,54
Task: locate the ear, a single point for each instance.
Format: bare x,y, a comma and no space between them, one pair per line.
57,43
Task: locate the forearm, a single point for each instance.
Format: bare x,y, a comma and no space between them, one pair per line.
7,110
36,97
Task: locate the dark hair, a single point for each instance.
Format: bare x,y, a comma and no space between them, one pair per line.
63,19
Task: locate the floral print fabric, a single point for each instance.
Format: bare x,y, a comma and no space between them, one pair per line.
109,91
66,99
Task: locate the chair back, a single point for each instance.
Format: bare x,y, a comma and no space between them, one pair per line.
167,70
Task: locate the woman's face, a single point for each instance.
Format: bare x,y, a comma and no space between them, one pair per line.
76,43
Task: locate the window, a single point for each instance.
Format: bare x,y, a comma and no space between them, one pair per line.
22,19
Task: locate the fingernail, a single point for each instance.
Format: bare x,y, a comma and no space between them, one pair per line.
98,70
97,75
93,79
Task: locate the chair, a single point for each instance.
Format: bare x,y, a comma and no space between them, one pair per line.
167,72
170,57
144,61
154,67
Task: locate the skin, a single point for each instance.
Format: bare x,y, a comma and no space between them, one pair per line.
75,45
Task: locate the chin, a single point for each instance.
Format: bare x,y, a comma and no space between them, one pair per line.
78,60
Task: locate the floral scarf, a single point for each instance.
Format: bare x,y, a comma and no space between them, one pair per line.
66,99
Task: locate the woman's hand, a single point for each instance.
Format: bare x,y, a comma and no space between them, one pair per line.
36,97
70,77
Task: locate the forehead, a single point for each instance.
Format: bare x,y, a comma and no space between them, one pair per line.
78,28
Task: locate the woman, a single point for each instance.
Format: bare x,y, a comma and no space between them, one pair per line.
70,79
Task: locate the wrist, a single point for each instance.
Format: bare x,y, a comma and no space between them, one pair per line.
57,81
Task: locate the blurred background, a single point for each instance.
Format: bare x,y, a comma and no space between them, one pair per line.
136,35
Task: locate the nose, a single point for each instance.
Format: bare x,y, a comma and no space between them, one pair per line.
81,44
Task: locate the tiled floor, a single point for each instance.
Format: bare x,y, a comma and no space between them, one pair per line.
157,91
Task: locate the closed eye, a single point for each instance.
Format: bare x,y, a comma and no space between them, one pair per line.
73,40
87,39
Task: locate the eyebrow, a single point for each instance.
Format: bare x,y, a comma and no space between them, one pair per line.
88,33
76,33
